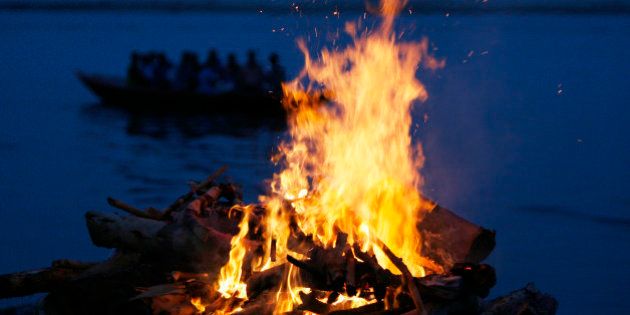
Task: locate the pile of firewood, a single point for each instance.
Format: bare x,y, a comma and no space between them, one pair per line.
164,259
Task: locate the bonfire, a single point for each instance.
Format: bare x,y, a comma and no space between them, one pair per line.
344,228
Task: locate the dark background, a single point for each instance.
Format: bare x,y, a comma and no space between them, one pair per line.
527,132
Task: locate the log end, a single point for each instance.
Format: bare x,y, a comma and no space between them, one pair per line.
481,246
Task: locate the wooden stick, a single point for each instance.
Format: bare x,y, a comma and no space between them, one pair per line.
188,197
407,278
130,209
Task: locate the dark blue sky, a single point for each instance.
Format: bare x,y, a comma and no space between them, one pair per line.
354,4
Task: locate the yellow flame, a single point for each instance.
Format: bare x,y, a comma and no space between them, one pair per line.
196,302
350,164
230,282
346,302
288,294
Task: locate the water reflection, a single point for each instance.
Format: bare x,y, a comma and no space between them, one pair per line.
181,125
563,212
157,154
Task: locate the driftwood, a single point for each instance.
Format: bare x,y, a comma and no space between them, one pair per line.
124,232
190,244
42,280
526,301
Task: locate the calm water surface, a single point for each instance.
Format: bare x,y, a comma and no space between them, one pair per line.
528,135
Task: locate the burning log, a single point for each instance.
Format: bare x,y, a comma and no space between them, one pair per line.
455,292
263,304
374,308
263,281
449,239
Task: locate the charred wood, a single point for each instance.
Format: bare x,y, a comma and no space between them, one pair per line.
260,282
448,238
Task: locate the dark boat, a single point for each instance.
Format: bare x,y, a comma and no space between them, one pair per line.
114,91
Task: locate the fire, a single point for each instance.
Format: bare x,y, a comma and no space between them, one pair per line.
230,283
198,304
350,164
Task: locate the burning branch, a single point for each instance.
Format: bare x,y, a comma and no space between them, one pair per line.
408,279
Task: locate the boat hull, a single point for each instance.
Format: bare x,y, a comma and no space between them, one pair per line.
115,92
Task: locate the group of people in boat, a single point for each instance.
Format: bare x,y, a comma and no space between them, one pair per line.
210,77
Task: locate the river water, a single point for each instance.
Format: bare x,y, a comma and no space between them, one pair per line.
527,134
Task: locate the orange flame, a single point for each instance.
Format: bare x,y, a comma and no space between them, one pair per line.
230,283
198,304
350,165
